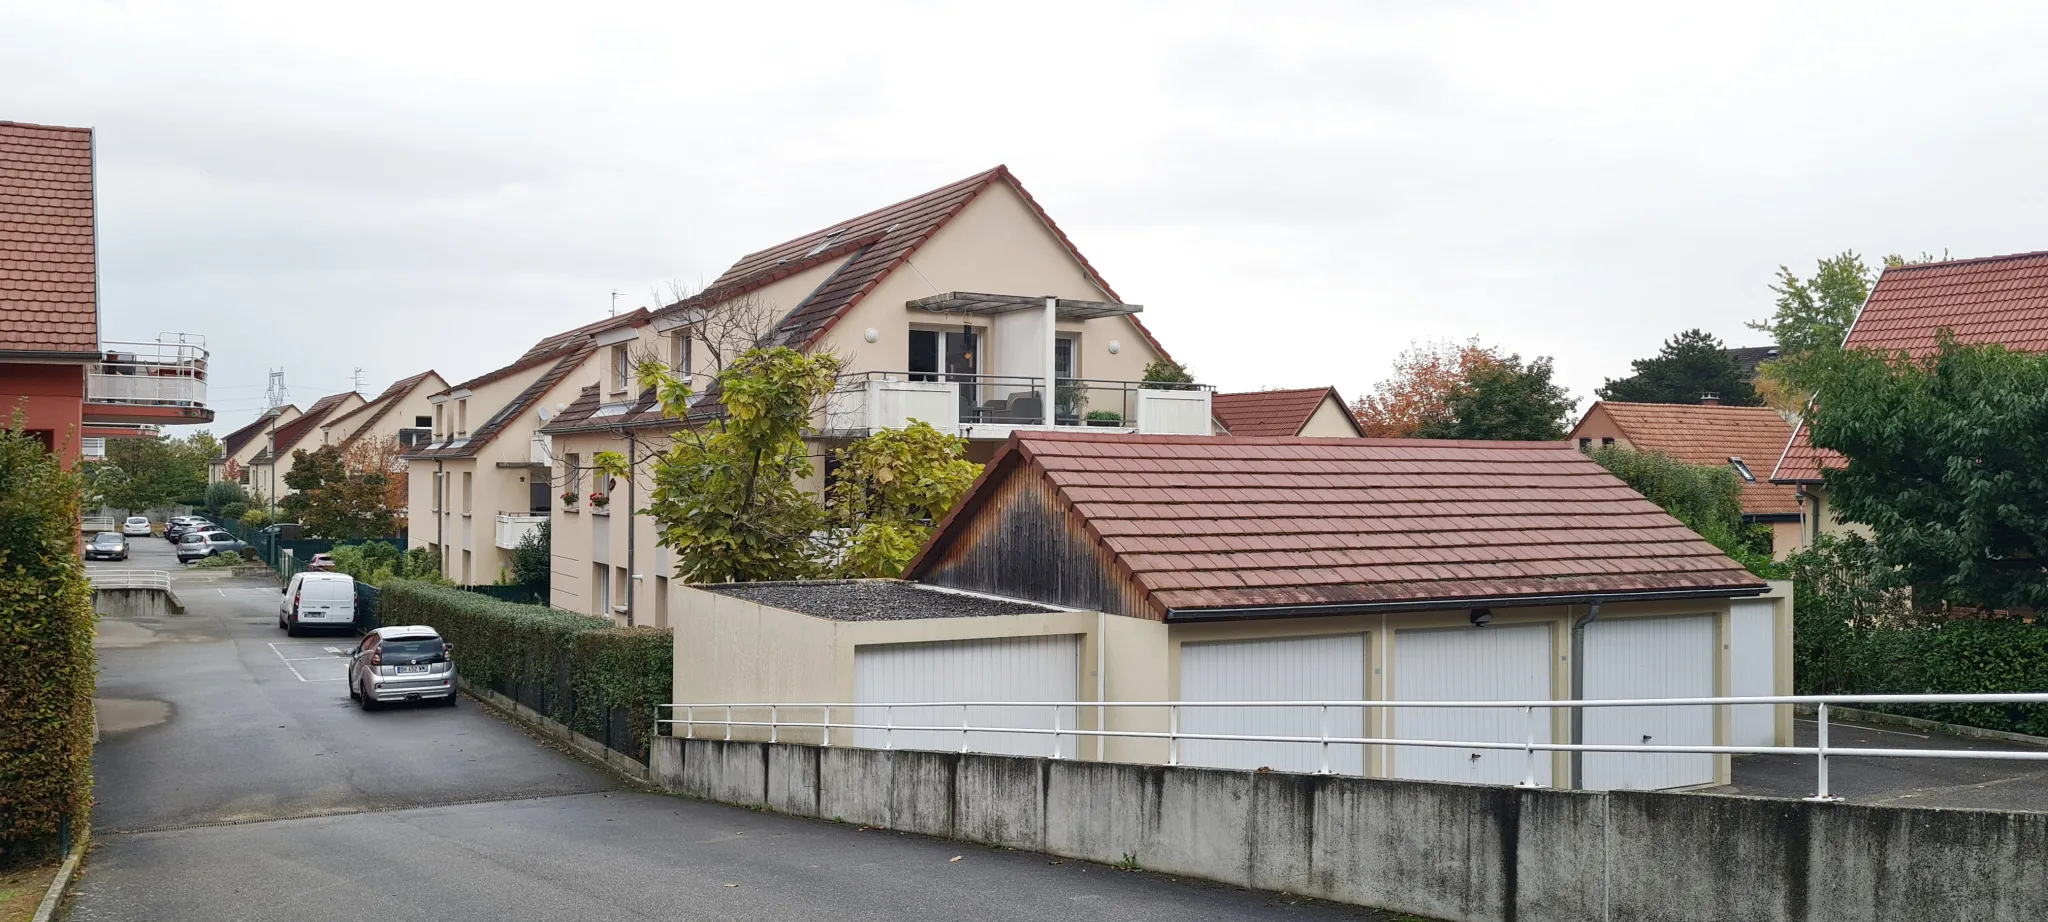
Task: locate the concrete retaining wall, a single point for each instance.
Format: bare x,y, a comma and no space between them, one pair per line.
137,603
1444,851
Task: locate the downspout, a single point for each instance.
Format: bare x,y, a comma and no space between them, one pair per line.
1579,689
632,571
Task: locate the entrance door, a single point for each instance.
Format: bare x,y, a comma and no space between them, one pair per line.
949,355
1754,668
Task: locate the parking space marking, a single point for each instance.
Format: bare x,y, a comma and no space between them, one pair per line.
289,660
1917,736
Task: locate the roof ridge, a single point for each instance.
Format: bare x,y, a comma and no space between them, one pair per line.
975,179
1964,261
4,123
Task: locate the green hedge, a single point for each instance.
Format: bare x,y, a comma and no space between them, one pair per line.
599,680
1854,633
46,654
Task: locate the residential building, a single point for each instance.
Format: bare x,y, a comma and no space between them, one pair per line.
1748,359
241,446
401,413
1092,567
1744,439
1318,412
965,307
478,490
1993,299
272,463
73,390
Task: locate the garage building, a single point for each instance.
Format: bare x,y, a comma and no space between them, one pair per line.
1106,567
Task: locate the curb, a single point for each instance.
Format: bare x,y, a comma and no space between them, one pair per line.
590,749
55,895
1917,723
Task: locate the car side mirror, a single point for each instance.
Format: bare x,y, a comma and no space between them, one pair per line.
280,590
447,648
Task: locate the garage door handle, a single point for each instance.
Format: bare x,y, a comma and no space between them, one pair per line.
1646,739
1475,757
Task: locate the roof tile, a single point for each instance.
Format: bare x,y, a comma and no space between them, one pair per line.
1711,435
47,262
1270,413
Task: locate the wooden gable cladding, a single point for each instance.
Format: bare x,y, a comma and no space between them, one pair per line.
1019,538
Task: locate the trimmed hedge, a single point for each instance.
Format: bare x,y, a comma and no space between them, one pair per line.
46,654
598,680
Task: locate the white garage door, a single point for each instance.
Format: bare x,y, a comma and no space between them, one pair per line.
1471,664
1649,658
1754,671
1039,668
1294,669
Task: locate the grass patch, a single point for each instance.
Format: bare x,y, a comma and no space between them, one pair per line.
22,889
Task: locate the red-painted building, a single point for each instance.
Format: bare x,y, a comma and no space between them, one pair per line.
69,388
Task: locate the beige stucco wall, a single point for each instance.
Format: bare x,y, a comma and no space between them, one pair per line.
731,649
1331,420
1597,426
253,448
405,410
270,477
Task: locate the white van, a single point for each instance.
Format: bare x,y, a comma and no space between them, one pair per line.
313,600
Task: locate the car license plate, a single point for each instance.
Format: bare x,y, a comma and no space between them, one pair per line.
408,670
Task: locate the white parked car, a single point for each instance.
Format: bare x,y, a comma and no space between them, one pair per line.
318,600
135,527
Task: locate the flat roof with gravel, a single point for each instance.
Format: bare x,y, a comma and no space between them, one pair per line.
871,600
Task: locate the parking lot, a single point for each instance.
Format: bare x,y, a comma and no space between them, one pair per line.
237,781
1901,782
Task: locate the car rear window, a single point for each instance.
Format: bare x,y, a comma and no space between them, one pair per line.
411,646
192,538
137,520
106,537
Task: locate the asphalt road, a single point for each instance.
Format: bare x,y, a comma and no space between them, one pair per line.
1899,782
237,782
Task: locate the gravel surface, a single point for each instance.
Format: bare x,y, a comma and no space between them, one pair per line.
872,600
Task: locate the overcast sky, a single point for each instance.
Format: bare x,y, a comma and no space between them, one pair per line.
1294,191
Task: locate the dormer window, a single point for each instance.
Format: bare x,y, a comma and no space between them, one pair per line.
1742,470
824,244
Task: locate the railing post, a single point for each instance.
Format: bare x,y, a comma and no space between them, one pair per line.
728,723
963,728
689,721
773,725
1326,740
1056,731
1173,734
1528,747
889,726
826,730
1821,795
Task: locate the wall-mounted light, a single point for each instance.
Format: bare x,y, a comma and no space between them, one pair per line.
1482,617
871,335
1115,347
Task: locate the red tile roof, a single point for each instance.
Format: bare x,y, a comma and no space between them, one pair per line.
1205,523
381,407
871,245
1271,413
1711,435
1992,299
289,434
47,262
565,362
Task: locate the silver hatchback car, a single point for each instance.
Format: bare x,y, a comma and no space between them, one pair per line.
408,663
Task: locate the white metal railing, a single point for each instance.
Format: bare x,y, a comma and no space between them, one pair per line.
96,523
164,372
129,579
1529,745
993,405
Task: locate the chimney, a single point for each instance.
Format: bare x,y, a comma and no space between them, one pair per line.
1710,399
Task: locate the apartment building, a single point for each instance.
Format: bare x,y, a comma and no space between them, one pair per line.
965,307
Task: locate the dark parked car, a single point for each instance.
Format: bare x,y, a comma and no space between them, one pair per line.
107,545
178,527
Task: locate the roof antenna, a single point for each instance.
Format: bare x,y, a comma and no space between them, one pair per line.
358,379
615,301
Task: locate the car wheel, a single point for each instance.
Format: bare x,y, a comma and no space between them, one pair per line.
291,630
449,701
353,694
363,698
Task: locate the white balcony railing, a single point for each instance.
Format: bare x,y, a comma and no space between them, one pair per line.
992,406
161,373
513,528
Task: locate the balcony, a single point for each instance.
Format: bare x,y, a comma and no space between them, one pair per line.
993,406
514,527
149,382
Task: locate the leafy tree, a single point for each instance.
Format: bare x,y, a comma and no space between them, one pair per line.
1504,399
726,497
225,493
533,559
892,489
254,518
1419,393
1704,497
1812,318
234,511
333,501
151,473
1946,459
1691,363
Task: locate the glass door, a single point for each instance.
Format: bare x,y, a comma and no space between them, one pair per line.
949,355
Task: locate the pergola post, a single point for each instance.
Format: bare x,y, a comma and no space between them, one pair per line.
1052,331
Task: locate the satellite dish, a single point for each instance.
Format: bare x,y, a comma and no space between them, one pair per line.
544,414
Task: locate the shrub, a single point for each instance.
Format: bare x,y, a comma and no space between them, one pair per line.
234,511
254,518
46,669
223,494
1855,632
1705,498
576,669
218,562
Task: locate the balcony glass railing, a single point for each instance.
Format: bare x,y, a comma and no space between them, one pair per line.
993,404
161,373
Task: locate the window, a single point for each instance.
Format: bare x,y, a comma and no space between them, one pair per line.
572,474
438,427
661,601
601,588
1064,354
1605,442
423,422
1585,444
951,352
437,491
462,416
537,500
680,353
466,475
622,369
1742,470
